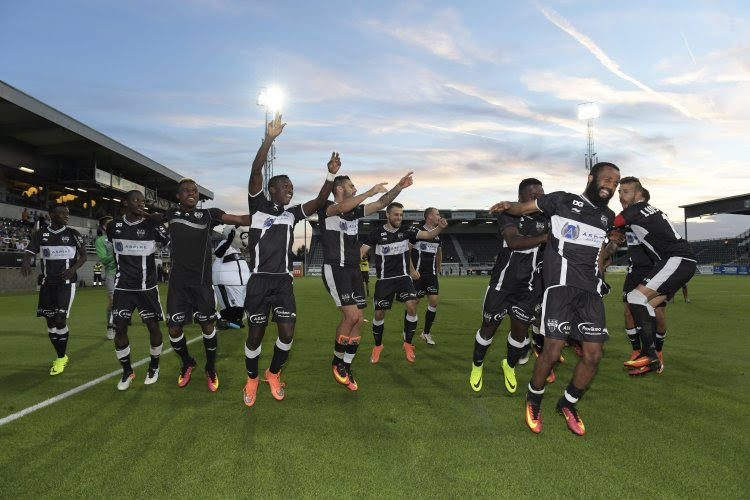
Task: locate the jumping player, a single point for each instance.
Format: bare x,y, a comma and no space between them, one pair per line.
572,307
134,240
510,291
393,263
62,254
429,257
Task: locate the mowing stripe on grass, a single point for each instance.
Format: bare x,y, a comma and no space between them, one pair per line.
80,388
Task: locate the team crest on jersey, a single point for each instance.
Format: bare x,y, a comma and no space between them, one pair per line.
570,231
540,226
140,232
604,220
268,223
198,215
65,239
177,212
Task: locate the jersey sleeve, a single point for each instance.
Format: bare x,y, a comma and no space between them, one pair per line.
628,216
549,202
411,233
160,234
33,246
505,221
168,216
78,239
370,239
322,212
358,212
256,202
216,214
298,212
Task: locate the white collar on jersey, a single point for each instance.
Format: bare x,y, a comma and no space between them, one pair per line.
132,223
56,231
587,200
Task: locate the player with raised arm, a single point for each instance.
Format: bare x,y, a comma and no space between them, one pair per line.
134,239
270,288
428,254
510,291
674,266
574,257
394,271
62,254
339,226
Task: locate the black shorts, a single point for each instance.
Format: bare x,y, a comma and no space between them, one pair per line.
185,302
55,299
498,303
385,289
366,276
97,276
270,292
569,312
427,284
668,276
147,302
345,285
635,278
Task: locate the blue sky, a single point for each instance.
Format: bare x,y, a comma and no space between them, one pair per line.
473,98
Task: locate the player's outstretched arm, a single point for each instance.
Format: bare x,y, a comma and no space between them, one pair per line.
428,235
255,184
388,197
237,220
334,164
352,203
154,216
515,208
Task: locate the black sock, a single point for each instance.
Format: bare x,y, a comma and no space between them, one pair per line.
155,355
429,317
123,356
251,361
280,355
659,340
338,350
571,396
635,340
377,331
534,395
351,351
210,343
515,350
53,336
180,347
646,327
480,349
410,326
537,339
62,341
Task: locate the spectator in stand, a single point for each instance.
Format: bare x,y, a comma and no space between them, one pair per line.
25,217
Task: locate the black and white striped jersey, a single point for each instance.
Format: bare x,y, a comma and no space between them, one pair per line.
190,244
657,235
638,259
339,236
134,245
391,249
271,235
578,229
59,250
424,253
514,269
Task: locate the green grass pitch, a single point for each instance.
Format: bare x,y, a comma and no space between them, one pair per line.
410,431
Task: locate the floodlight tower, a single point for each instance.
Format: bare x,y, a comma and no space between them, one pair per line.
271,99
589,111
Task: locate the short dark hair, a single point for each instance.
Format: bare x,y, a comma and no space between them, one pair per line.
646,194
131,193
339,181
427,212
601,166
55,206
273,181
393,204
632,180
528,182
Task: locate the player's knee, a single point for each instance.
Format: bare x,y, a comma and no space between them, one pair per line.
592,357
636,298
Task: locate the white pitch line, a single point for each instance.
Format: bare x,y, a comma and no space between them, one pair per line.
80,388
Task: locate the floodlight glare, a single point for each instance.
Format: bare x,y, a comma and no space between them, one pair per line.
274,99
588,111
26,169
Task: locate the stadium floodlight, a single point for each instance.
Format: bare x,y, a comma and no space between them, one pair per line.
26,169
81,190
69,188
588,111
116,199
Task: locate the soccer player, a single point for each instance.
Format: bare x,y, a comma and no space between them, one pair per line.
190,293
364,267
510,290
674,266
107,259
62,254
339,225
576,249
134,240
639,266
429,255
393,265
270,288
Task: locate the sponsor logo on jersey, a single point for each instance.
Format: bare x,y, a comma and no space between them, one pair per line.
268,222
45,253
423,246
570,231
118,246
386,250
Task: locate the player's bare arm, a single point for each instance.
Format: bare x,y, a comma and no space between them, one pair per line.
237,220
515,208
334,164
517,241
351,203
388,197
363,251
432,233
439,261
412,270
614,240
255,184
